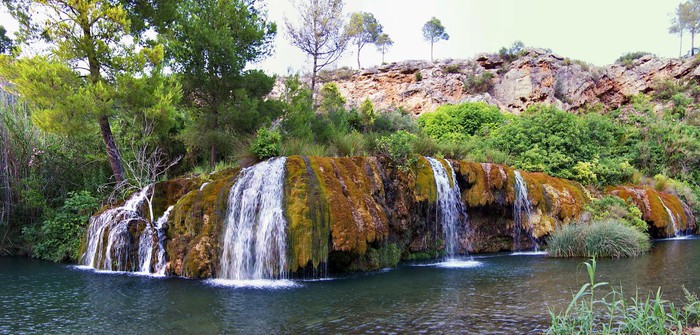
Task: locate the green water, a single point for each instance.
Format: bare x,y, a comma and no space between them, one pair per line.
504,294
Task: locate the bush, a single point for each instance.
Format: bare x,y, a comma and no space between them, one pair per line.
611,207
628,58
301,147
608,238
417,76
457,122
351,144
267,144
478,83
60,234
398,146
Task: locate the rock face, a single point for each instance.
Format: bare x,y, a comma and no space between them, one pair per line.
363,213
536,76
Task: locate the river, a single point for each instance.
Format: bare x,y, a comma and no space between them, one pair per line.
499,293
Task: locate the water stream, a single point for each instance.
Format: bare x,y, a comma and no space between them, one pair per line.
676,230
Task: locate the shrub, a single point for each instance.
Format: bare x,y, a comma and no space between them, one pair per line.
392,121
301,147
331,99
398,146
512,53
452,68
608,238
60,234
267,143
478,83
611,207
351,144
369,115
628,59
418,76
451,122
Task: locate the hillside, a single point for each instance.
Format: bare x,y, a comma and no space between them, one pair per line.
511,82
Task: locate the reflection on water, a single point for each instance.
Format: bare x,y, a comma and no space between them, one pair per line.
502,294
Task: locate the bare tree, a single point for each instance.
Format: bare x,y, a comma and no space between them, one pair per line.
319,32
144,169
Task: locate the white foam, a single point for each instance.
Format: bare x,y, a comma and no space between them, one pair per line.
255,283
110,272
458,264
529,253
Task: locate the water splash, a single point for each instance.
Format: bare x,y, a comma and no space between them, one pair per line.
452,214
255,238
522,211
674,221
110,244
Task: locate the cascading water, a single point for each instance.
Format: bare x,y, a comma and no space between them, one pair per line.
109,240
149,239
255,239
522,209
451,209
676,230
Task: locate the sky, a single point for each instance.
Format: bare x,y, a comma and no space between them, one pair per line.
595,31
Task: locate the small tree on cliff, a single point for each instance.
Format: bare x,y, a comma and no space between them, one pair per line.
434,31
319,33
363,29
5,42
383,44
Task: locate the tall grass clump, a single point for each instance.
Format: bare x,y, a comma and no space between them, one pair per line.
607,238
594,310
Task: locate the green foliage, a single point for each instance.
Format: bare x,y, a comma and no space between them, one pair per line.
383,44
434,31
512,53
614,208
628,58
607,238
267,143
58,238
589,312
457,122
417,76
6,44
362,29
478,83
665,89
369,115
331,99
398,147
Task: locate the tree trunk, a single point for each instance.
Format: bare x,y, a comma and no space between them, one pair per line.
212,157
680,49
115,158
431,50
692,43
314,71
358,57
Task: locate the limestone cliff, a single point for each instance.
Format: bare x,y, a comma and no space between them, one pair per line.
535,76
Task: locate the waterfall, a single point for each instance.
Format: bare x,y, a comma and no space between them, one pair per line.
255,238
109,240
676,231
149,239
451,210
522,209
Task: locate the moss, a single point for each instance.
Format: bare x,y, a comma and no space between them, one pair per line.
486,184
424,188
195,226
308,215
649,202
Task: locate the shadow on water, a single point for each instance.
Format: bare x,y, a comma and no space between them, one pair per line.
502,294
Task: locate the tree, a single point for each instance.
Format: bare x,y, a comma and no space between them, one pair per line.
383,44
213,42
86,36
5,42
362,29
434,31
319,34
678,26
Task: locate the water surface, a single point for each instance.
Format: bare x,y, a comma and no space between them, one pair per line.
493,294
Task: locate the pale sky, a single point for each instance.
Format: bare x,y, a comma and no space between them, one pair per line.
595,31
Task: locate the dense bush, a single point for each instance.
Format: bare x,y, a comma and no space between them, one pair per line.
608,238
398,146
478,83
457,122
628,58
58,238
267,144
614,208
